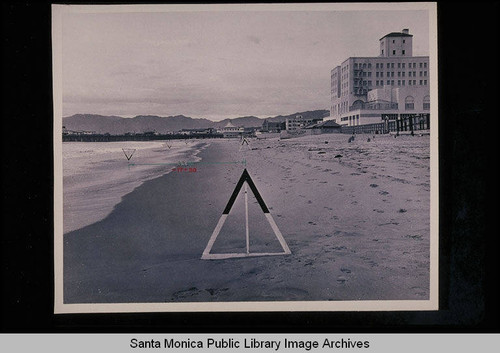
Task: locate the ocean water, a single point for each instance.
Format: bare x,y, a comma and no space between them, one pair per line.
96,175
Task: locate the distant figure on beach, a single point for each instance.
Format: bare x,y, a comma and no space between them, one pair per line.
368,140
351,139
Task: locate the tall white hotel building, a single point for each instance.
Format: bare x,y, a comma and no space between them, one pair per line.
394,85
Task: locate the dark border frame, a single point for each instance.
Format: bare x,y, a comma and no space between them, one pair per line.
468,91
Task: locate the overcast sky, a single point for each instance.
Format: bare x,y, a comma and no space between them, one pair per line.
217,65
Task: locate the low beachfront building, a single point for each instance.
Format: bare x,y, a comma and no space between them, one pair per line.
324,127
299,122
391,87
231,131
272,126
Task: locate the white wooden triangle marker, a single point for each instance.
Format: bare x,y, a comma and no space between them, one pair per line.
244,179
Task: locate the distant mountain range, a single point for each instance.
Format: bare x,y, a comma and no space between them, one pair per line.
116,125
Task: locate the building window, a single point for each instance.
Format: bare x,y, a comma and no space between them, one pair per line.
388,82
369,65
403,74
421,82
369,83
403,82
409,82
376,83
420,65
420,73
399,73
392,65
388,65
414,65
381,74
377,74
399,82
425,65
392,73
369,74
403,52
382,51
425,82
393,41
392,82
425,73
404,65
404,41
409,103
427,102
393,52
414,82
399,65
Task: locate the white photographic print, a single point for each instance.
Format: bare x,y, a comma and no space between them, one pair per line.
250,157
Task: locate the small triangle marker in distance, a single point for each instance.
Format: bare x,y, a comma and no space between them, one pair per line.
129,152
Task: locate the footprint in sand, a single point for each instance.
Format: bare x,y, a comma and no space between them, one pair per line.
213,291
186,293
373,185
345,270
416,236
383,192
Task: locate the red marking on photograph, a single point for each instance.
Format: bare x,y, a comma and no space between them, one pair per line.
184,169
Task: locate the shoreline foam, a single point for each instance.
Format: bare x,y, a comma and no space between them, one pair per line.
97,175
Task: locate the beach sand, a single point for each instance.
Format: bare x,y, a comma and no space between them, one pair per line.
357,227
